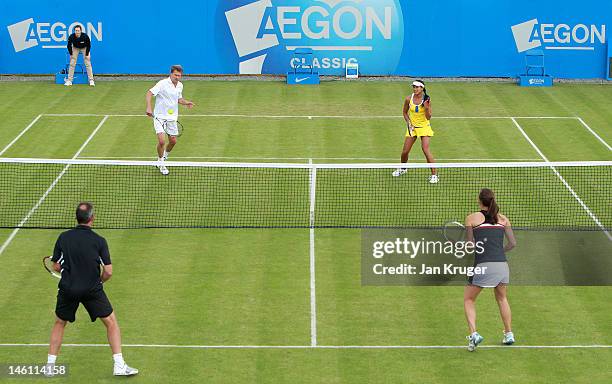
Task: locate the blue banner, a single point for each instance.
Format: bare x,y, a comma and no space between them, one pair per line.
385,37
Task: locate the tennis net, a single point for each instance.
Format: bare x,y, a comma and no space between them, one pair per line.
43,193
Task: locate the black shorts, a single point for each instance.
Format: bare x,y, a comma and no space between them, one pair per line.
95,302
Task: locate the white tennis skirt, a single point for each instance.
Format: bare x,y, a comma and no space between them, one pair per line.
493,274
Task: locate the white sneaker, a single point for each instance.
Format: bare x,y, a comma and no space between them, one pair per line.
433,179
68,83
91,83
508,338
124,370
399,172
163,169
473,340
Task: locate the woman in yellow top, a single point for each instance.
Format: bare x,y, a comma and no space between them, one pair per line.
417,113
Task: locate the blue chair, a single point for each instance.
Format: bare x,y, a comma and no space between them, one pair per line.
79,67
534,60
302,71
80,73
305,65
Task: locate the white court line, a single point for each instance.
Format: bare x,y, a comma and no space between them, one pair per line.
376,165
594,133
541,117
53,184
293,158
569,188
20,134
313,116
187,346
313,294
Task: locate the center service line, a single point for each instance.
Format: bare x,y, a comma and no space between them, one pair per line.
313,294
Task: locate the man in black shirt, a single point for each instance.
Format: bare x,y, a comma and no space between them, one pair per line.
78,255
79,42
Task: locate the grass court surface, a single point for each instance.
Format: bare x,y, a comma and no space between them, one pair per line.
244,305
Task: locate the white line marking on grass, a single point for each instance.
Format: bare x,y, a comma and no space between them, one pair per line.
541,117
313,294
313,116
187,346
501,164
53,184
20,134
533,145
569,188
594,133
295,158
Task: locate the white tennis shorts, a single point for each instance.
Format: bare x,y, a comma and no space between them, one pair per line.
170,126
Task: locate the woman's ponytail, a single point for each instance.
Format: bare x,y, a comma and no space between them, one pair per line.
487,198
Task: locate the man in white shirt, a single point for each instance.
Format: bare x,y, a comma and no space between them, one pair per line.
168,95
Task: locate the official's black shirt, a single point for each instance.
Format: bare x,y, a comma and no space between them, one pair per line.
80,251
80,42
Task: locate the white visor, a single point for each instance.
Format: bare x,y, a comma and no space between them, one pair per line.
418,84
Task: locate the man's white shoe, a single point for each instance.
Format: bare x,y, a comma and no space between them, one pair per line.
399,172
68,83
91,83
163,169
124,370
433,179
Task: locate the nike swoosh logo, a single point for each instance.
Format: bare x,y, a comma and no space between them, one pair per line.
301,79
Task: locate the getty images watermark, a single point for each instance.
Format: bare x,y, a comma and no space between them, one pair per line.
416,257
412,248
579,257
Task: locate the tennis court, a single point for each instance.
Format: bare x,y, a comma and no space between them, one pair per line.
287,303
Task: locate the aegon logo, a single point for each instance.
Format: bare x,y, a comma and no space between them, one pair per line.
28,34
277,20
337,30
579,37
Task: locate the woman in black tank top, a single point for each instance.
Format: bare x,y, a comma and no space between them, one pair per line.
490,233
488,228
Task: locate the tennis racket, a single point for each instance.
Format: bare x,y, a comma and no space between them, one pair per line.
48,264
410,127
168,126
454,231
